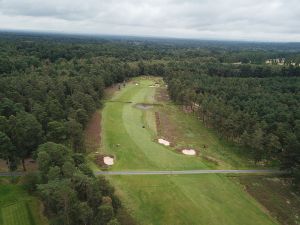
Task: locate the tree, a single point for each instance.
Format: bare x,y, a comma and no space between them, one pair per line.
8,107
4,126
54,109
113,222
57,132
78,158
51,154
59,197
7,151
104,215
272,144
290,157
28,135
75,134
246,139
84,213
68,169
257,145
82,116
54,173
39,111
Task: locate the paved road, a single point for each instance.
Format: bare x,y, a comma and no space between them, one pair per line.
179,172
167,172
11,174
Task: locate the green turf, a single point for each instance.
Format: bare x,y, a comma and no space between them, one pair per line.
123,125
19,208
16,214
196,134
170,200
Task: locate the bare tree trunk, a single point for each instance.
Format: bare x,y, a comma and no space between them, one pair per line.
66,211
23,164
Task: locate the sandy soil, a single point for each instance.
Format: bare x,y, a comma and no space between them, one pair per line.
188,151
105,160
167,128
163,142
108,160
93,133
162,95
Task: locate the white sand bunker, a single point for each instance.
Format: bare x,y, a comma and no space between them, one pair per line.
108,160
163,142
136,84
188,151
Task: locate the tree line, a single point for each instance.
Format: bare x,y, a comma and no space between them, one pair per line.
51,85
72,195
261,115
44,109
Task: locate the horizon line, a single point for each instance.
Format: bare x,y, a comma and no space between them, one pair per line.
132,36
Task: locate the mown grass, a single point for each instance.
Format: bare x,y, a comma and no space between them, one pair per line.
169,200
17,207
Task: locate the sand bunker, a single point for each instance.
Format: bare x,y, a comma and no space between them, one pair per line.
144,106
105,160
153,86
188,151
108,160
164,142
136,84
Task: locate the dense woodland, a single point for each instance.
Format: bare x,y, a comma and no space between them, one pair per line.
51,84
262,115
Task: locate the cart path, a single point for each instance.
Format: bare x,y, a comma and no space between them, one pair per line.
185,172
166,172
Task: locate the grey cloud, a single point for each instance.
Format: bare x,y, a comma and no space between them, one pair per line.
268,20
69,10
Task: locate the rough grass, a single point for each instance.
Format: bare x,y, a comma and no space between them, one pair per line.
93,133
188,131
130,134
17,207
277,195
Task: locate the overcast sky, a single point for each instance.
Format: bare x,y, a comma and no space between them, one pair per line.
254,20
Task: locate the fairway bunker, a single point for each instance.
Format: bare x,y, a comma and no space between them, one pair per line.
189,152
143,106
163,142
105,160
108,160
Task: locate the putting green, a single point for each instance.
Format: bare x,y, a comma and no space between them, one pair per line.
129,133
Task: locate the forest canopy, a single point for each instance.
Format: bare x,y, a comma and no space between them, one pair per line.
50,85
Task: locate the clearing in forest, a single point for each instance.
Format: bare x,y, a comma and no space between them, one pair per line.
131,134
